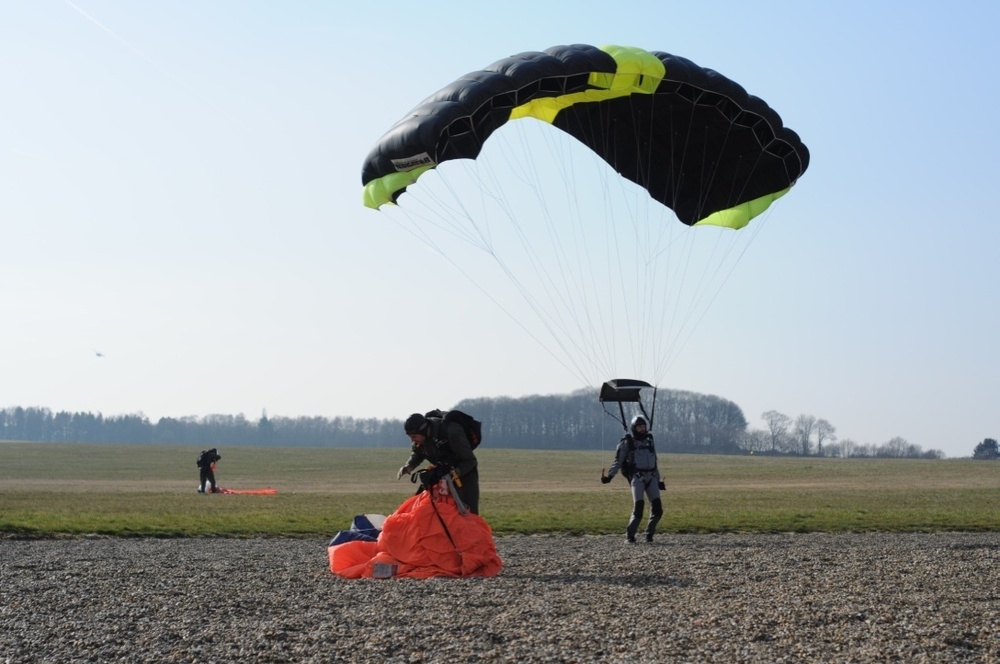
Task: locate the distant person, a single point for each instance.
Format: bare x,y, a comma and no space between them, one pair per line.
447,447
635,457
206,466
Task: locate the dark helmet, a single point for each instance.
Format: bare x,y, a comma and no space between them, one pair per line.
415,424
636,421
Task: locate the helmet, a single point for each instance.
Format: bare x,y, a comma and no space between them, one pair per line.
415,423
636,421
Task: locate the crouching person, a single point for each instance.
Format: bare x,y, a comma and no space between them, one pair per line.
445,445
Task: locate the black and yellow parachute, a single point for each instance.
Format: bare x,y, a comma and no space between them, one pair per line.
692,138
566,219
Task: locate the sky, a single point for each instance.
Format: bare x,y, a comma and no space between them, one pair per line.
182,234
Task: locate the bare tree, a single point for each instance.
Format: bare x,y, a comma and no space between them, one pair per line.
754,440
804,425
847,447
824,431
898,448
777,424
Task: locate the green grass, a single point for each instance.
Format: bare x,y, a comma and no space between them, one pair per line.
149,490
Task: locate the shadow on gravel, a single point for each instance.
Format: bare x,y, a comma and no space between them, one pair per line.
625,580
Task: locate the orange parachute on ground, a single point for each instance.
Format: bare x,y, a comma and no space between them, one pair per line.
427,536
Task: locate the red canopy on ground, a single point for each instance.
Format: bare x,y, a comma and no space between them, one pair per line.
425,537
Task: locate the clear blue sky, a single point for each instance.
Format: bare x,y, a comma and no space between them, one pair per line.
180,191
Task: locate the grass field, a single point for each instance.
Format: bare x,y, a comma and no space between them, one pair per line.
150,490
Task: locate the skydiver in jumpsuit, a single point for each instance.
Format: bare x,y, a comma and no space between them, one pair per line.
645,481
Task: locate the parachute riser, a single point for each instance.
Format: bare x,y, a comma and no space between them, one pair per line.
618,418
652,410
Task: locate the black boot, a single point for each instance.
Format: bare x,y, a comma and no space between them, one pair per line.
656,511
633,523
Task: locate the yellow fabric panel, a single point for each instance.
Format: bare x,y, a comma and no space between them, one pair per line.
639,72
379,192
739,216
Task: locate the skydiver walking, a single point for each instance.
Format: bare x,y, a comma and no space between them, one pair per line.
635,457
206,466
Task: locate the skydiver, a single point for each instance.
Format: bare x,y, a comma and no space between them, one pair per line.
446,446
635,456
206,465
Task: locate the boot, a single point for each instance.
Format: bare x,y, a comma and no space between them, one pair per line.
633,523
655,513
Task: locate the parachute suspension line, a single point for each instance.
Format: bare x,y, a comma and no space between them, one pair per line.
683,311
530,296
572,302
568,254
597,321
565,293
621,285
679,254
672,240
680,311
410,213
687,315
620,419
758,225
648,243
568,247
602,432
627,267
478,235
613,251
602,286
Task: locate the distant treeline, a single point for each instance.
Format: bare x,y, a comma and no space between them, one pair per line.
683,422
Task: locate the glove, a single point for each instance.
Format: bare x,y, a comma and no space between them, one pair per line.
605,479
403,470
433,475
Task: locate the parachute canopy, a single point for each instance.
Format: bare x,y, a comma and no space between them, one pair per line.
426,536
266,491
628,391
692,138
623,390
566,219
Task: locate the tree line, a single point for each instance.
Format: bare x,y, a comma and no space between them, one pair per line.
683,422
807,435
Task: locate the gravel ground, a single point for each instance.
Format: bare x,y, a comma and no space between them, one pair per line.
684,598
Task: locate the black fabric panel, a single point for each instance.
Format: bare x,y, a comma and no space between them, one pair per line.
456,121
700,144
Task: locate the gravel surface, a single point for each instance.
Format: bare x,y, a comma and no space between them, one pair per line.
684,598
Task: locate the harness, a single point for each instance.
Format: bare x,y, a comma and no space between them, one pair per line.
439,446
630,457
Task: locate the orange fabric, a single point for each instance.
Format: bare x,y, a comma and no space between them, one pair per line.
414,540
255,492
